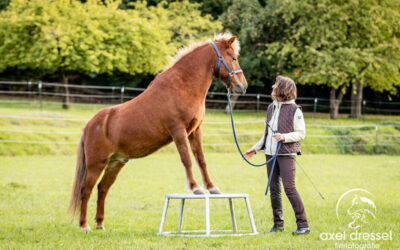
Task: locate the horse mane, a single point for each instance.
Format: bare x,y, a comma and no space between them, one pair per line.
194,45
225,37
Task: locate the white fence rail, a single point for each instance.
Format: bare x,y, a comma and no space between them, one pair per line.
38,93
373,136
88,94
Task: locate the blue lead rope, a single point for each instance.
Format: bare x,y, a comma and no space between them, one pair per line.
240,151
228,85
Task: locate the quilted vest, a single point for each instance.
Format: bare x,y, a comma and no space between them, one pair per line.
285,125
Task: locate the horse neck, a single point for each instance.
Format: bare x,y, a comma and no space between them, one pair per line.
196,70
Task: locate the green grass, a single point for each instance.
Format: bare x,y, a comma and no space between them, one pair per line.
349,140
35,183
34,195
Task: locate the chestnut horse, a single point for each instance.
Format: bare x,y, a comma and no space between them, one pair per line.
172,108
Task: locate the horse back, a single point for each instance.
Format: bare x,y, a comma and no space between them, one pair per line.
144,124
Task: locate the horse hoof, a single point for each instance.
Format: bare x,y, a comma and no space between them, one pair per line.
214,190
198,191
86,228
100,227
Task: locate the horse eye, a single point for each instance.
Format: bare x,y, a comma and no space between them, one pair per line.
233,58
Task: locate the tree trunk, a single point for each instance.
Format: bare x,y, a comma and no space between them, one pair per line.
234,98
64,77
356,100
335,102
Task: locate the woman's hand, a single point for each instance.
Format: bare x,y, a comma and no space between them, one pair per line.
249,154
279,137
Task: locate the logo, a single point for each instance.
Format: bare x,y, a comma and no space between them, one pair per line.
356,208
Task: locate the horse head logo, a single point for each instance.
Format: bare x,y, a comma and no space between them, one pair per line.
356,208
362,211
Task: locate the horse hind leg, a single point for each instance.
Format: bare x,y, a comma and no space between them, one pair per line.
92,175
110,175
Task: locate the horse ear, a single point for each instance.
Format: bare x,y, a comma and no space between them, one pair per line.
230,41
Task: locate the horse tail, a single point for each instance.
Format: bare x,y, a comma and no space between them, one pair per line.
80,176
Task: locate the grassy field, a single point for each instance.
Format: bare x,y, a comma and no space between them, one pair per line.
36,177
34,195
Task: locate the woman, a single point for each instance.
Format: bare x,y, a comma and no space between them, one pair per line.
286,119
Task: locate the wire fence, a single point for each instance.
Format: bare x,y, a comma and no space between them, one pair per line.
361,138
344,138
88,94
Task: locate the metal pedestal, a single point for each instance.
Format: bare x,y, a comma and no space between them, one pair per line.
207,232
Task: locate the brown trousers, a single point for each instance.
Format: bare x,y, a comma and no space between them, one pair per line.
285,169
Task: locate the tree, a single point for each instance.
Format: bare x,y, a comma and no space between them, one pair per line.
213,7
323,42
354,44
246,20
70,37
183,19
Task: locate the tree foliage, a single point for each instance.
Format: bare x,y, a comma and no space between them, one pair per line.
90,37
182,19
339,42
68,37
323,42
96,37
246,19
213,7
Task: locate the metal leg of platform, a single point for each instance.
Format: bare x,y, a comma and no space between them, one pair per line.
233,215
207,216
181,216
164,215
253,226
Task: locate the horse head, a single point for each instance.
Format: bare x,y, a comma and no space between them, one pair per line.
362,210
231,75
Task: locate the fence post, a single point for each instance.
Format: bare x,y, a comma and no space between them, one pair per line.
29,89
122,93
376,138
112,94
258,103
364,102
40,94
315,106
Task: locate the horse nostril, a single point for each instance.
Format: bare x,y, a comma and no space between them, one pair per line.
240,88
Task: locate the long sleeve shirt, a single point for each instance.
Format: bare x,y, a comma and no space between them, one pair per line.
298,134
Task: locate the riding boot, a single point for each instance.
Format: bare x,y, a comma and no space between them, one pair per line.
276,203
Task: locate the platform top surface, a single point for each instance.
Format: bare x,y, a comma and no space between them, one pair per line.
203,196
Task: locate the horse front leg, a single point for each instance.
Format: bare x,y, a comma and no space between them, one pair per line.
181,142
196,143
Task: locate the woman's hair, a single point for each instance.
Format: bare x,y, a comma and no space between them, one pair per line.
285,89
